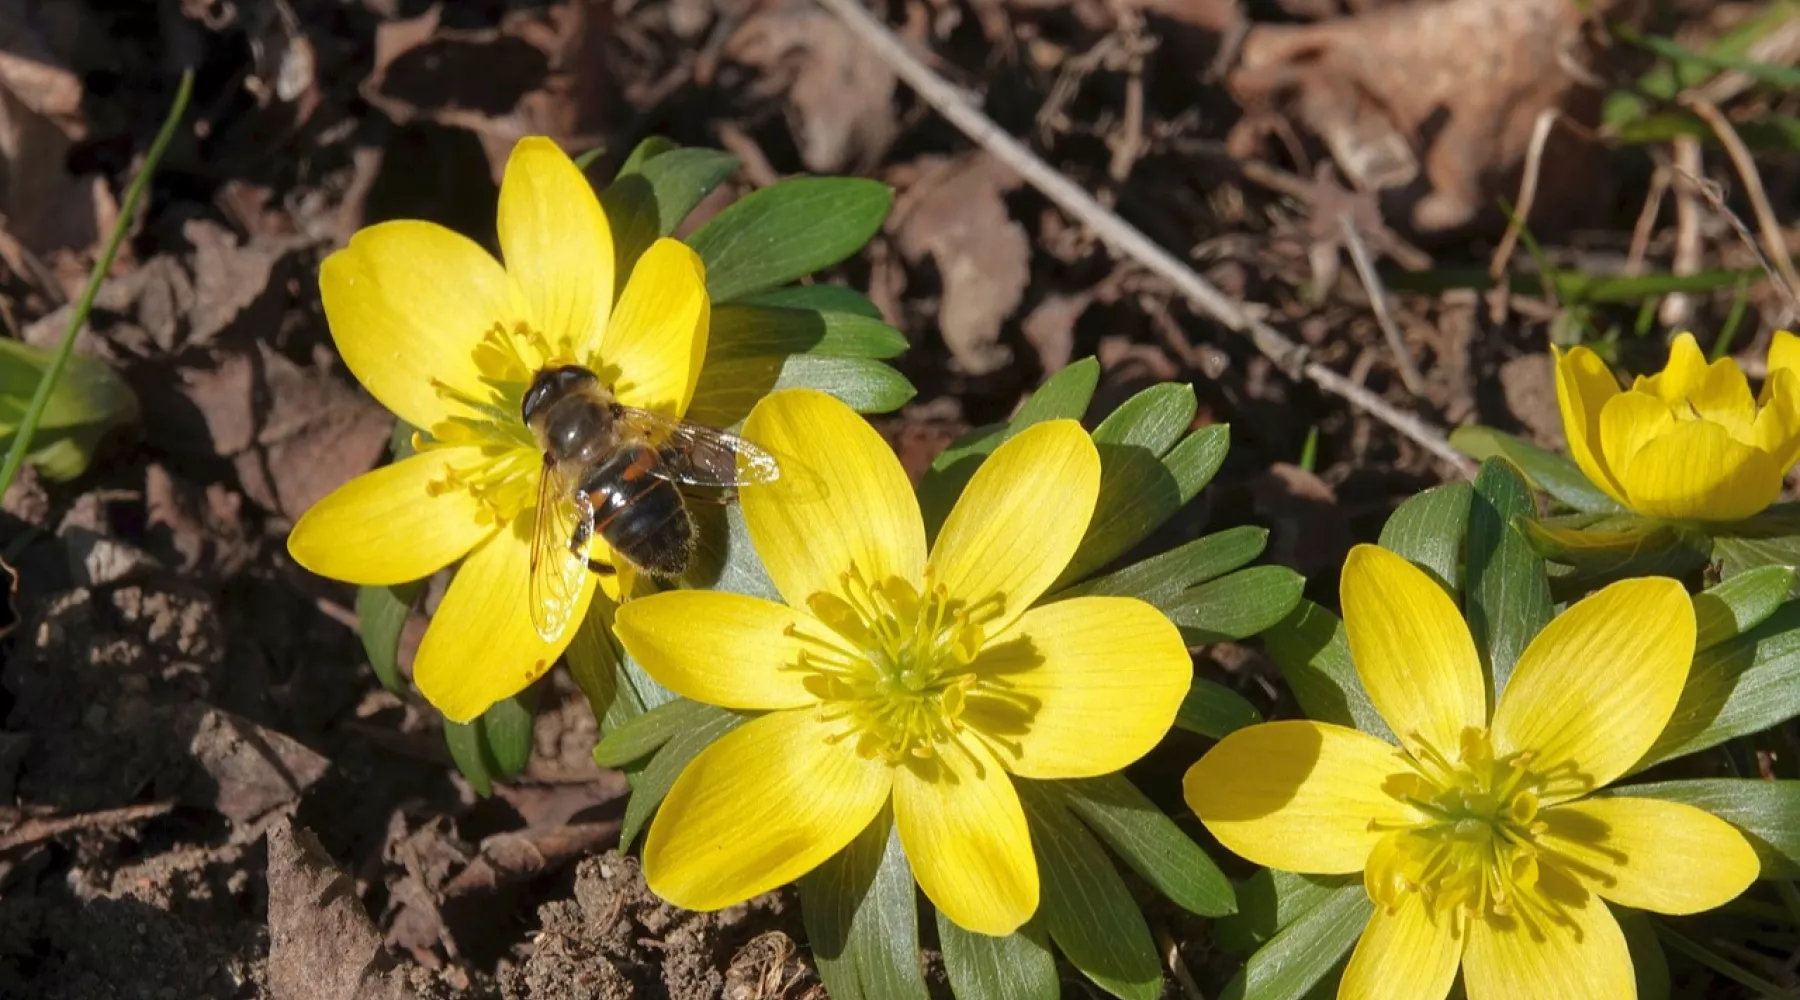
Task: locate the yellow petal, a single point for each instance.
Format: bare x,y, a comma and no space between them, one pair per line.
386,527
1297,795
1716,391
1412,649
1583,386
1019,520
1698,471
557,245
964,833
842,502
1682,376
1648,854
1595,688
1508,960
1778,423
723,649
1784,353
1629,421
657,339
765,804
407,303
1079,687
1403,955
481,646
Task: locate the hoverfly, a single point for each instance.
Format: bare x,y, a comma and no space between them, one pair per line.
615,471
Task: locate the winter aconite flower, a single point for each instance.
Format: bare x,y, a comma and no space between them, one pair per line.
893,675
448,338
1689,443
1478,837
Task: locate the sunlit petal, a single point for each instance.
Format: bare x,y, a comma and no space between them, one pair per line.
388,526
1404,954
723,649
1582,959
1699,471
1784,355
964,833
1079,687
653,349
1682,377
1629,421
1020,519
1597,685
481,646
1583,386
765,804
557,245
842,500
1299,796
1778,424
1668,857
407,303
1411,648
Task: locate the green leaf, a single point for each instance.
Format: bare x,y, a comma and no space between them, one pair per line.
594,664
749,331
862,921
1305,950
1236,606
1648,962
650,197
382,613
1309,648
1738,687
651,147
1269,900
637,738
1767,812
1616,548
1738,554
467,752
1064,395
1142,483
787,231
506,733
1214,710
728,390
1085,905
1548,471
1148,841
659,775
89,400
1019,966
816,298
1161,578
1509,594
725,557
1428,530
1740,604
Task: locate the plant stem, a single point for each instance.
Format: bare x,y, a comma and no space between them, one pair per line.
1720,964
40,399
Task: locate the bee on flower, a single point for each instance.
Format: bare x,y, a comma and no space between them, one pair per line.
1690,443
896,677
1485,838
451,340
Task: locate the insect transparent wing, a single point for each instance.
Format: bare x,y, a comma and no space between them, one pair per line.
696,455
557,564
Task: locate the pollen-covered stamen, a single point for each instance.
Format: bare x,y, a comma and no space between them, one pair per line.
897,663
1474,852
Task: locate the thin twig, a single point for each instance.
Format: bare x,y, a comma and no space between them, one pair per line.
33,829
1125,239
1775,243
1646,222
1365,269
1678,307
1528,184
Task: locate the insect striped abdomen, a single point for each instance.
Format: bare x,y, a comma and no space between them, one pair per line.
641,516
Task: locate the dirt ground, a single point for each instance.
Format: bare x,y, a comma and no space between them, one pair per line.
205,793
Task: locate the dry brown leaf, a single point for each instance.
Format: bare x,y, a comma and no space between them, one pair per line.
954,213
322,945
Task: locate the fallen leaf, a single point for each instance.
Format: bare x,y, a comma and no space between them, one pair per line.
322,945
245,770
839,99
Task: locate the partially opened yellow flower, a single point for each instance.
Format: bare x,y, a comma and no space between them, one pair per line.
1478,837
1689,443
891,675
448,338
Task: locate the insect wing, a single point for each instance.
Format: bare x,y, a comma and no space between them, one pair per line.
557,564
697,455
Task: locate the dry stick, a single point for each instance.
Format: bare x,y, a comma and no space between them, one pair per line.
1528,184
1365,269
1646,222
1775,244
1125,239
1678,307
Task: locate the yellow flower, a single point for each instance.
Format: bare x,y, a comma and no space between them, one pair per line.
1689,443
448,338
1478,838
893,675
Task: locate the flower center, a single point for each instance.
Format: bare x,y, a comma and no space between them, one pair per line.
898,664
1475,852
503,476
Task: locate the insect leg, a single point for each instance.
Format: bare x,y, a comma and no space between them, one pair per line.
584,523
